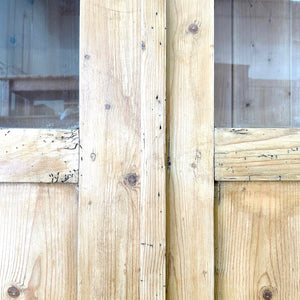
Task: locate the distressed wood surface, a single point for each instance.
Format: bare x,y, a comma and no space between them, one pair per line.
122,159
38,233
257,230
190,89
257,154
39,155
153,134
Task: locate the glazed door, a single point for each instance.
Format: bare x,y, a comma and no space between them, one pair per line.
257,139
39,149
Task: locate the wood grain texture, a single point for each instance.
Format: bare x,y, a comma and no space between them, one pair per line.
39,155
257,230
257,154
153,155
38,233
122,163
190,90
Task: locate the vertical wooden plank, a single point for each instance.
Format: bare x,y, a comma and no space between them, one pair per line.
223,63
261,57
38,230
153,129
109,211
122,163
190,92
257,240
4,97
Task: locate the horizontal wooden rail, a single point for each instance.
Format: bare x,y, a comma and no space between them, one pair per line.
257,154
39,155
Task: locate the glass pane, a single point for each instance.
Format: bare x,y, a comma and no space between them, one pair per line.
257,63
39,53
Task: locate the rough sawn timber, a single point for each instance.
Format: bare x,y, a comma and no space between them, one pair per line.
190,90
257,154
122,157
39,155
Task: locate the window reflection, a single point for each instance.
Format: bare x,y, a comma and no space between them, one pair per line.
257,63
39,63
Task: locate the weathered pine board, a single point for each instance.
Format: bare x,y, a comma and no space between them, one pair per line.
190,185
153,155
257,230
122,155
257,154
39,155
38,249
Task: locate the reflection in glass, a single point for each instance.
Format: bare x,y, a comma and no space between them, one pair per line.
39,63
257,63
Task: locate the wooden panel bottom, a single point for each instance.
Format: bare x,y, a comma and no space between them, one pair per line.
257,240
38,248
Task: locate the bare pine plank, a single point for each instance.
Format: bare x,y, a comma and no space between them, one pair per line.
39,155
153,155
257,230
257,154
38,233
122,159
190,183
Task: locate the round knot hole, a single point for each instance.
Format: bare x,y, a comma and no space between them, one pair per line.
267,295
132,179
193,28
13,292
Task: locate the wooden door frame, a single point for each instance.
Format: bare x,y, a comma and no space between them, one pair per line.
144,160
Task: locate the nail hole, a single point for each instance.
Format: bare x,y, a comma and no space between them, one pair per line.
93,156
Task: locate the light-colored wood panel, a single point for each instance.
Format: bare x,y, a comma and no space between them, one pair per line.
38,233
190,182
39,155
257,230
153,155
110,179
257,154
122,160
